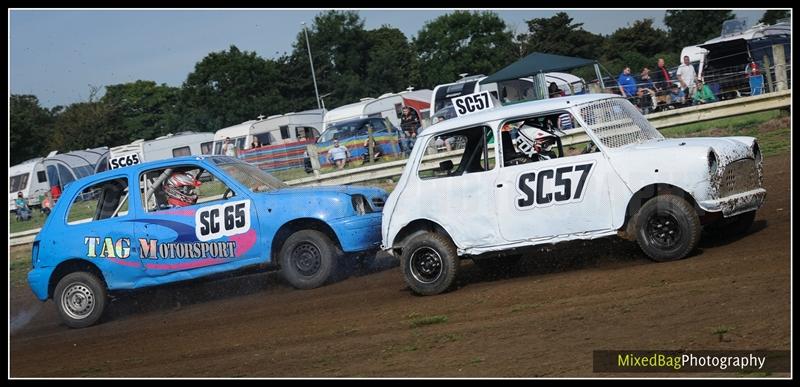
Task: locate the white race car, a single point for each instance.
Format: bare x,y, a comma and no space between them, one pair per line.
543,172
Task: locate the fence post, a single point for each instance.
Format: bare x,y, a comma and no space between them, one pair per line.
314,157
370,142
780,67
768,73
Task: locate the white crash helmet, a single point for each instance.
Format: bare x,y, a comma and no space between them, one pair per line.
532,141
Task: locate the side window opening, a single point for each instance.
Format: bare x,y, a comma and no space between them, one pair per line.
100,201
470,149
170,188
182,151
537,138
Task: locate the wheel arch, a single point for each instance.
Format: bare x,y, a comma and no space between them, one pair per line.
71,266
647,193
295,225
415,227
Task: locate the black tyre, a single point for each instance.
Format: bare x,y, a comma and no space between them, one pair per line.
667,228
430,263
308,259
505,265
80,298
735,225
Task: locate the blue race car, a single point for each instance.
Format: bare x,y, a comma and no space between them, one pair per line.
188,217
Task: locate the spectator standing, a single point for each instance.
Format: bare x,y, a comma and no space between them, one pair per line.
23,211
228,148
338,154
661,77
627,85
409,123
703,94
554,91
686,75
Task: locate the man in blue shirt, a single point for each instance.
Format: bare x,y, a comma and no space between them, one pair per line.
627,85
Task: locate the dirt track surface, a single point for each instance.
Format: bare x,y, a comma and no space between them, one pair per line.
543,321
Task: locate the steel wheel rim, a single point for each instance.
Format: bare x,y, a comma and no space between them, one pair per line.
663,231
306,258
426,265
78,301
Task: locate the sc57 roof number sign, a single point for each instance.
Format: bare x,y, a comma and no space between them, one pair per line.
125,160
472,103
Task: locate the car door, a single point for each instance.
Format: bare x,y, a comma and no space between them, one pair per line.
99,228
552,198
217,233
459,193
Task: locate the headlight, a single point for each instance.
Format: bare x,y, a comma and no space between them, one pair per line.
360,204
757,152
712,163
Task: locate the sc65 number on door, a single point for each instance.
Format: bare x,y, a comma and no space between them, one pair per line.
558,185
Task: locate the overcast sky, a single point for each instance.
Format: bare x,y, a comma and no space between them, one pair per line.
57,54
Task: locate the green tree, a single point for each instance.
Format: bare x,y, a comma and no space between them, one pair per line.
227,88
392,64
689,28
147,110
87,125
30,125
559,35
771,16
463,42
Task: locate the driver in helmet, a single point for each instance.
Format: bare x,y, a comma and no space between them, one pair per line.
180,189
535,143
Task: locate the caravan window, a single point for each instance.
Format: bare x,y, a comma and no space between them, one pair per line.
182,151
41,176
264,138
305,132
285,132
240,142
18,183
205,148
218,147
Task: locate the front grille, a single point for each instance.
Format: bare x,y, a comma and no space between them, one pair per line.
739,176
378,202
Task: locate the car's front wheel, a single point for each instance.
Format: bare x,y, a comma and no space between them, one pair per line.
308,259
430,263
667,228
81,298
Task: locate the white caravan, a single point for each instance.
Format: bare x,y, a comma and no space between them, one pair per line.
280,129
164,147
30,178
388,106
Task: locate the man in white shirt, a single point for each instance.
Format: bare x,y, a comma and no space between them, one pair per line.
338,154
686,75
228,148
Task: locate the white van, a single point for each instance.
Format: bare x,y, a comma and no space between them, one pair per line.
164,147
387,106
30,178
507,92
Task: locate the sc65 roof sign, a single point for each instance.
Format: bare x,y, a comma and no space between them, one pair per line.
125,160
472,103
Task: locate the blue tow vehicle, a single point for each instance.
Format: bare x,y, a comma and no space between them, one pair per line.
189,217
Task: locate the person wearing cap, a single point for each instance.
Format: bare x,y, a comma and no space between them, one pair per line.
703,94
676,95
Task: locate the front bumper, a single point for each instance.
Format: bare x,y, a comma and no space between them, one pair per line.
736,204
359,233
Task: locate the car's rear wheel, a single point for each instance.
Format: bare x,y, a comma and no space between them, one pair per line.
308,258
430,263
667,228
81,298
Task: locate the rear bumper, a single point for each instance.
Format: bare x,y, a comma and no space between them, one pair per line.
736,204
38,279
359,233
